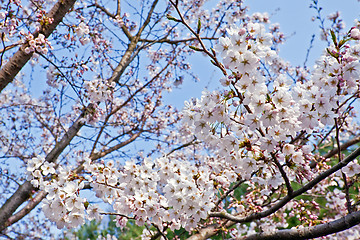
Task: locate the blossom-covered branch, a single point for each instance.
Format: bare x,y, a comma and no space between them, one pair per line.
320,230
21,57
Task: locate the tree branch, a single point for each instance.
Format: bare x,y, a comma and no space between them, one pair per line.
209,231
25,210
116,147
338,225
283,174
228,192
25,190
114,16
20,58
203,48
343,147
289,197
349,221
166,40
126,59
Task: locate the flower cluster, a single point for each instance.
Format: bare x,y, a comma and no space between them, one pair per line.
81,31
253,139
7,25
257,117
37,167
98,90
166,193
39,44
63,204
251,127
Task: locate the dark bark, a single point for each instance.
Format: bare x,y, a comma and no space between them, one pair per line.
20,58
336,226
320,230
290,196
25,190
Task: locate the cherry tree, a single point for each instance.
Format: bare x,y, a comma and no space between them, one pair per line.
269,155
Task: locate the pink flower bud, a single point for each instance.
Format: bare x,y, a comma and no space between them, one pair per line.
242,31
355,33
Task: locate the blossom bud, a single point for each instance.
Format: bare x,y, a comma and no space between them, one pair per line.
355,33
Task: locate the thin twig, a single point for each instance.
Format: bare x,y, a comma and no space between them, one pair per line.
283,174
203,47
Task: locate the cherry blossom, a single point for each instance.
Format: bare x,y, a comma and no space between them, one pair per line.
268,152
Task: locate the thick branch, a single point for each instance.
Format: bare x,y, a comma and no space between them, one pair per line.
338,225
126,59
10,206
25,210
25,190
118,8
209,231
294,194
342,147
233,219
20,58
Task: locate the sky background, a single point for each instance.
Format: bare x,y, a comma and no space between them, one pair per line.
294,17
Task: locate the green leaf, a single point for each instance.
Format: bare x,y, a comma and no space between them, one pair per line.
198,26
181,234
171,18
195,48
333,37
